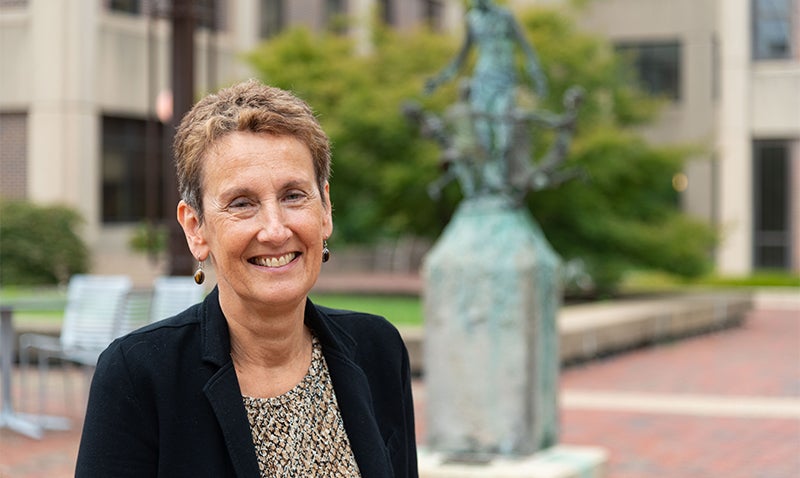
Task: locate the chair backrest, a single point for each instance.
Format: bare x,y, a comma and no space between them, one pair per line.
94,311
173,294
137,311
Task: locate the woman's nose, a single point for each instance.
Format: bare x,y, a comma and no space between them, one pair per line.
272,227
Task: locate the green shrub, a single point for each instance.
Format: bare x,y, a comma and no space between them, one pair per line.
150,239
39,244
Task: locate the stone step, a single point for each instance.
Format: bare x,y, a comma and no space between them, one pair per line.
589,331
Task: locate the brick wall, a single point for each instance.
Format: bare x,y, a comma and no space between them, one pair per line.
13,155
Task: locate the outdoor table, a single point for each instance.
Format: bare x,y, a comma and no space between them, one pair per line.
24,423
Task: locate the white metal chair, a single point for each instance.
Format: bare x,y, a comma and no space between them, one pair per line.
92,320
169,296
136,311
173,294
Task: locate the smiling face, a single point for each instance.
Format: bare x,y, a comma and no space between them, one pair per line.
264,220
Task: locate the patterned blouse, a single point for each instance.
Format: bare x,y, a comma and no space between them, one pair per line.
301,433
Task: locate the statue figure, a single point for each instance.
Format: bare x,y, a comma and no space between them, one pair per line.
494,33
524,176
462,156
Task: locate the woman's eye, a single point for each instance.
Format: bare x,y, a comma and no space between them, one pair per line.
294,196
240,203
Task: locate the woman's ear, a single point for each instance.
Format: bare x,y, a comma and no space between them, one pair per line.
192,229
327,220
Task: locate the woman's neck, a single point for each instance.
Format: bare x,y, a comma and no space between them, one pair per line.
271,352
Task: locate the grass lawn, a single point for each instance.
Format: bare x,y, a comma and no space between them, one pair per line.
35,305
46,305
400,310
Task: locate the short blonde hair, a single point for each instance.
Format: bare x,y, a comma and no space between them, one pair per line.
249,106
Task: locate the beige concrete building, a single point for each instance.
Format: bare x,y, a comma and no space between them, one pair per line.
80,89
731,72
80,83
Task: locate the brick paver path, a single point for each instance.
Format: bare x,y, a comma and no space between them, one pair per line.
721,405
725,404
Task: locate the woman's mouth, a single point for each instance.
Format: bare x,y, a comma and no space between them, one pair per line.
279,261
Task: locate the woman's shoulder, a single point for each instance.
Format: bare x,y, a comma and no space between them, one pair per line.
172,332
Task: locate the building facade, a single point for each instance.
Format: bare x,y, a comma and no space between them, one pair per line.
730,70
84,96
84,99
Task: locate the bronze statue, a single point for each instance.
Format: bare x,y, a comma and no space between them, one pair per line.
494,33
485,135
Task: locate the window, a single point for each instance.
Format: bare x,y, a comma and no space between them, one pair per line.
433,14
772,226
13,3
125,6
387,12
272,18
209,14
131,169
13,155
772,29
336,15
657,66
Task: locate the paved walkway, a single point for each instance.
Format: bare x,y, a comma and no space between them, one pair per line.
725,404
721,405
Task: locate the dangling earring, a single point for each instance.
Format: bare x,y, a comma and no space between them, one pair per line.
326,253
199,275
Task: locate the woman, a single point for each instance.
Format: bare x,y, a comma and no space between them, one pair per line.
256,380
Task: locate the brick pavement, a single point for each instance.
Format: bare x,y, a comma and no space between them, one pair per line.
759,360
54,455
762,357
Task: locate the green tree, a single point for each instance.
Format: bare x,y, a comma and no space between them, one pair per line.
623,216
39,245
380,166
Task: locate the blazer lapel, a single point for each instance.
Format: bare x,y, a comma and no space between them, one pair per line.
222,389
355,404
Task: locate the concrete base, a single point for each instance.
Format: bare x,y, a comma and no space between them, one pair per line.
560,461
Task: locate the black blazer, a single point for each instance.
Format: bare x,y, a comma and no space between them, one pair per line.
165,400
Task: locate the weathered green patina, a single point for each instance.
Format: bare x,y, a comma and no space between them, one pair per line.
492,281
491,346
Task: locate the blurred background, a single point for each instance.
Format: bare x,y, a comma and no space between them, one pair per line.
688,138
690,134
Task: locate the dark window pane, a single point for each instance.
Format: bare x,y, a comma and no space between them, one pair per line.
131,169
13,3
387,12
771,257
433,11
657,66
336,15
271,18
335,7
771,235
13,155
125,6
772,29
209,14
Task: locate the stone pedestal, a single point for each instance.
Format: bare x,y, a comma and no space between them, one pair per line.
491,298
